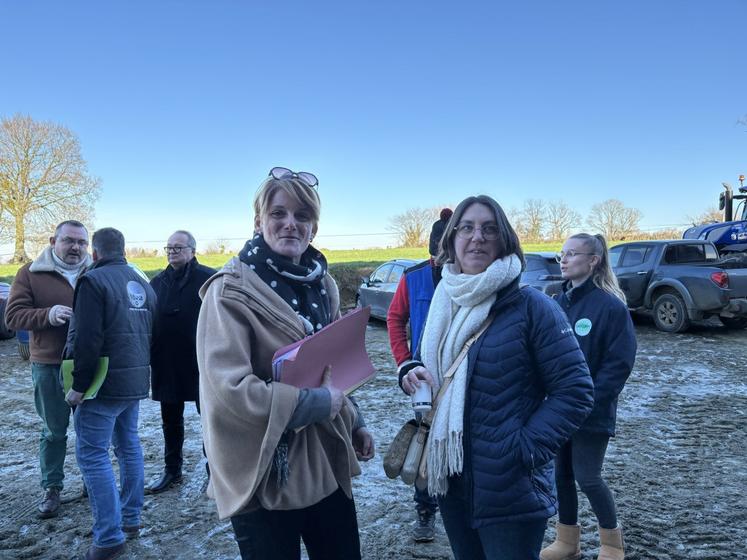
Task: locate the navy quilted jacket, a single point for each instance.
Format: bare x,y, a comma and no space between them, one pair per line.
529,389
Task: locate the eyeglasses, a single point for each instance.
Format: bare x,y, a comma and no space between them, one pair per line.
176,249
308,179
466,231
570,254
70,241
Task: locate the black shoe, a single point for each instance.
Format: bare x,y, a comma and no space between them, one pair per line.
105,552
167,481
425,528
50,505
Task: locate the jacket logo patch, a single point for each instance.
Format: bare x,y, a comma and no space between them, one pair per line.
582,327
136,293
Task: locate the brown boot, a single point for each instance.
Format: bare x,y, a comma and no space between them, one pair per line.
567,545
611,541
50,505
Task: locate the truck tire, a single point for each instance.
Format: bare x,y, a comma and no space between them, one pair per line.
734,322
670,314
5,332
23,344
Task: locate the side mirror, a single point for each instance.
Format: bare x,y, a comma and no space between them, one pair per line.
366,280
721,201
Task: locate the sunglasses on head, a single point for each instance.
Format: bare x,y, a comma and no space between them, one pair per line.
308,179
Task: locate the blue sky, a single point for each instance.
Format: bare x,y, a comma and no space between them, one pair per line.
183,107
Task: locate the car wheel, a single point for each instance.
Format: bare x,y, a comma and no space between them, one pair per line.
23,350
670,314
734,322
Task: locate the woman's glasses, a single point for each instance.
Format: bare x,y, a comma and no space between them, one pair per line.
308,179
466,231
570,254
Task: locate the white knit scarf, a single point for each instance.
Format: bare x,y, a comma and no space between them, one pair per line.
461,304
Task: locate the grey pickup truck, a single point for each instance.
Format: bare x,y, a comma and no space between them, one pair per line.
681,281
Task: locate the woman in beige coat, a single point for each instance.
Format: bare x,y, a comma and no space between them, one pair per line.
281,458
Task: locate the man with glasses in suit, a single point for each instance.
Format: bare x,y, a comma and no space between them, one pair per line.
174,373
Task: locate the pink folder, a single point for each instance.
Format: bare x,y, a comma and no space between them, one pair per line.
341,344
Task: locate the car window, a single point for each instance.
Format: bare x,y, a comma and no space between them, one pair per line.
396,273
614,254
690,253
382,273
636,255
711,253
534,263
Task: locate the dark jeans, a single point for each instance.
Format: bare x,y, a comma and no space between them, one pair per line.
425,502
329,530
503,541
580,460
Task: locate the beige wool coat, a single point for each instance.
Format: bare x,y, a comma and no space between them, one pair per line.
242,323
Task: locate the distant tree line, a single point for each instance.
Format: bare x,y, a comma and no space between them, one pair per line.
540,221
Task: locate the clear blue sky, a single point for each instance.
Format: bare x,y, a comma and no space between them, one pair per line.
183,107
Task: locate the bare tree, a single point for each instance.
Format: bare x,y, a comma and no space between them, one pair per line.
43,180
413,226
560,219
708,216
531,220
614,220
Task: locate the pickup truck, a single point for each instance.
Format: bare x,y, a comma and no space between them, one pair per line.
680,281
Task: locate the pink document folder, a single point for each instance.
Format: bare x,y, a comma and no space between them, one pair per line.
341,344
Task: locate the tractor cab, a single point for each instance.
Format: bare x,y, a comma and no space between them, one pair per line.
729,236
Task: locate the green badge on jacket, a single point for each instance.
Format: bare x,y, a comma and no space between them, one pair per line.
582,327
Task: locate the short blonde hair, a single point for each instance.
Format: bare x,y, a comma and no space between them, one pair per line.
303,194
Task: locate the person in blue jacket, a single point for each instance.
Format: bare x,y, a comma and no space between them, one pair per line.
522,391
596,309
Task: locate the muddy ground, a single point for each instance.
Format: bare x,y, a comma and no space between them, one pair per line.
677,466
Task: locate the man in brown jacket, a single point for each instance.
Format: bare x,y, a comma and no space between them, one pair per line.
40,301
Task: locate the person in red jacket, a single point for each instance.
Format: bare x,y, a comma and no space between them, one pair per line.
410,305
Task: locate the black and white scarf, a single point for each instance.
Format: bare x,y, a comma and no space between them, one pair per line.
300,285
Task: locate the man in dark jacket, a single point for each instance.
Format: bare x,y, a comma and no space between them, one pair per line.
437,231
113,310
173,359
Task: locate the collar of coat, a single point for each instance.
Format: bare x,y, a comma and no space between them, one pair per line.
237,276
45,263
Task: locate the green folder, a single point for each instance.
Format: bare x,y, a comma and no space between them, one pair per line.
98,377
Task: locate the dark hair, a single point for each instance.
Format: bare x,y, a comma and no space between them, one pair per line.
445,214
73,223
108,242
508,241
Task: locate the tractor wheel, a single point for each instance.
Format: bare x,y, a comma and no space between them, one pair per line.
734,322
670,314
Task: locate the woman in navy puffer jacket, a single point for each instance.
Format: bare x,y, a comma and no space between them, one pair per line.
524,389
597,311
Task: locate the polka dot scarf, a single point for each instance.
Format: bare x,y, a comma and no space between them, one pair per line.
300,285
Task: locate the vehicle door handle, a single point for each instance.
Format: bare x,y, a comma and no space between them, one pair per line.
641,273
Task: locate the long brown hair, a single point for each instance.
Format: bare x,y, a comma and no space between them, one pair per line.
602,275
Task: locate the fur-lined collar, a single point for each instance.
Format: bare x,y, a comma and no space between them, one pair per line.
45,263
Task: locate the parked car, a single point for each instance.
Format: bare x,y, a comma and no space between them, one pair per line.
378,289
680,281
542,271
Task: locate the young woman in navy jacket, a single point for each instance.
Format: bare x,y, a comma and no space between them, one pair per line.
598,314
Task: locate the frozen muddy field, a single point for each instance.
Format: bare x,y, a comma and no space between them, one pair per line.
678,466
